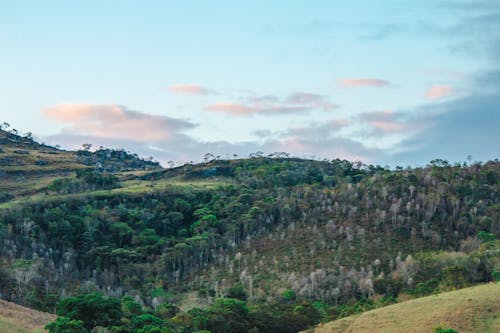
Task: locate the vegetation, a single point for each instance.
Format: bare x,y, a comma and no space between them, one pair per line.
264,244
469,310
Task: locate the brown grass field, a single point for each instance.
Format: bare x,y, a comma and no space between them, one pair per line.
474,310
17,319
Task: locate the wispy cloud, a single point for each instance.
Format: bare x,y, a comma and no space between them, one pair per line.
362,82
313,100
115,122
190,89
232,108
439,92
386,121
298,102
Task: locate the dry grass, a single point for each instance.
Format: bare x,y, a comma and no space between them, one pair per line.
17,319
474,310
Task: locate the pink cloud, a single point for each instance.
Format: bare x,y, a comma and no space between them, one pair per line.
238,109
388,126
386,121
231,108
268,104
189,89
363,82
439,92
115,121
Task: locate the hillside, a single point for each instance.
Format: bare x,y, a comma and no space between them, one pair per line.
268,243
469,310
18,319
28,167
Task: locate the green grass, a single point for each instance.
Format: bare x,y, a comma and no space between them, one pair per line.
131,187
475,309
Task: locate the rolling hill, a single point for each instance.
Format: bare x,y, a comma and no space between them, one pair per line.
469,310
18,319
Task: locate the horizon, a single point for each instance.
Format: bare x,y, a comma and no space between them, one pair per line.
391,83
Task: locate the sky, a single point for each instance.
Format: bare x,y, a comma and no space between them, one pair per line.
385,82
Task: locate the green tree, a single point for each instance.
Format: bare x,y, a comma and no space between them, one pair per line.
66,325
122,233
92,309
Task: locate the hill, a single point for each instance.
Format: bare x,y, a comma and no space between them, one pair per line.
469,310
17,319
272,243
28,167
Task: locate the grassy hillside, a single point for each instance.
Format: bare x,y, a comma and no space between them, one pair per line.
17,319
469,310
28,168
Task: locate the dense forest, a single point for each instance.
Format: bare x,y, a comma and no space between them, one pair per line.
262,244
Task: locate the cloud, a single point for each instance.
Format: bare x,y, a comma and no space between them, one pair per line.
232,108
115,126
113,121
322,141
298,102
386,121
458,127
439,92
362,82
190,89
312,100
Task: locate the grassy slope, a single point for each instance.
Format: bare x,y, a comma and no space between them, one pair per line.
475,309
30,172
17,319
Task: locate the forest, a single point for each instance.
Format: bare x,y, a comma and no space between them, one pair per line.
260,244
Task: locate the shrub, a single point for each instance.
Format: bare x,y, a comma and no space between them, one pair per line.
289,295
484,236
440,329
66,325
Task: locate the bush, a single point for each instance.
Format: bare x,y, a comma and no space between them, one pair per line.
454,277
440,329
66,325
289,295
485,237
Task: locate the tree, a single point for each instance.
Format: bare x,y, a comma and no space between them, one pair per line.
66,325
237,291
86,146
122,233
28,135
454,277
228,315
92,309
23,273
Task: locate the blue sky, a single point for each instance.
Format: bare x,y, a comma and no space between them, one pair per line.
386,82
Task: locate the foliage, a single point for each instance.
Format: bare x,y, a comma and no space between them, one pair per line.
269,243
66,325
441,329
91,309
